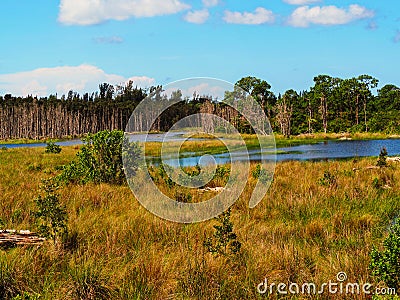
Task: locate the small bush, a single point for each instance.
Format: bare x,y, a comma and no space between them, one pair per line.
51,216
223,241
328,179
182,196
263,175
382,158
385,264
35,167
51,147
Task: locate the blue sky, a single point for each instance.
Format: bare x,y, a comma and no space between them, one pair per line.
55,46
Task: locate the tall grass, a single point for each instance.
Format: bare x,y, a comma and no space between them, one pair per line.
302,231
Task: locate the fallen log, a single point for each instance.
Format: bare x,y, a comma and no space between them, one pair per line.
11,238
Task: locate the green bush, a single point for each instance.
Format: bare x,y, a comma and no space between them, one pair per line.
385,264
100,159
52,148
223,241
328,179
51,216
263,175
382,158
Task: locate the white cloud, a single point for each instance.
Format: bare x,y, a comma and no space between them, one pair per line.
301,2
45,81
328,15
210,3
259,16
197,16
89,12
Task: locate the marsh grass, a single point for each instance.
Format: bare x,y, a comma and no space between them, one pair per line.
302,231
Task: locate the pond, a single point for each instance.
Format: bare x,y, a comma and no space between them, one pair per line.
327,150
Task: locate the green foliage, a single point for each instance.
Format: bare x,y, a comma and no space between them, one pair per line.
382,158
35,167
377,183
51,216
27,296
162,173
385,264
100,159
328,179
221,172
223,241
182,196
51,147
263,175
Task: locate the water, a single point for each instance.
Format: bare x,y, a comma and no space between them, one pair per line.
328,150
159,137
63,143
321,151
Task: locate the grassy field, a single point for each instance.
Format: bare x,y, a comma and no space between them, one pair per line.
307,229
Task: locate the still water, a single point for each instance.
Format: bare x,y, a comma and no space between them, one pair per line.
321,151
328,150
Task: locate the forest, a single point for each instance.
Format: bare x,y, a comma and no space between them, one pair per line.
330,105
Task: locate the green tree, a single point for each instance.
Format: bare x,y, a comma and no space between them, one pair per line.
367,83
260,90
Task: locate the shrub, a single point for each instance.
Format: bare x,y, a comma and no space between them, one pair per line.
382,158
328,179
223,241
52,148
51,215
35,167
100,159
263,175
182,196
385,264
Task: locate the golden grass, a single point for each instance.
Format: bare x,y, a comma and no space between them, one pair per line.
302,231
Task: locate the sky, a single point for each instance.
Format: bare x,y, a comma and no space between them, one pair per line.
49,47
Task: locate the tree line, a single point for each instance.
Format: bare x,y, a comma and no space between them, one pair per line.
330,105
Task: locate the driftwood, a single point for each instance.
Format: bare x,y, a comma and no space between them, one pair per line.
393,159
366,168
13,238
214,189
